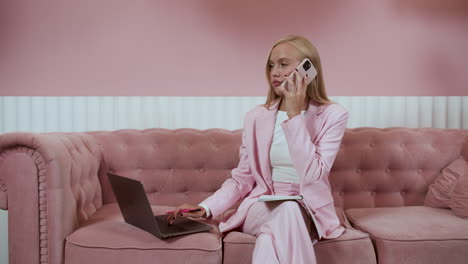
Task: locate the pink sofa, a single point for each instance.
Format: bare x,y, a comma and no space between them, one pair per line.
62,210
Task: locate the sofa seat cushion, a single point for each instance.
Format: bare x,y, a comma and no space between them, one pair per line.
352,247
413,234
106,238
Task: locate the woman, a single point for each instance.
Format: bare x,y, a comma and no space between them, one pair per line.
288,148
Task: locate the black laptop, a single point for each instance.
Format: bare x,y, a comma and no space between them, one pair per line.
136,211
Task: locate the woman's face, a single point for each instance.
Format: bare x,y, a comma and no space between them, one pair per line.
284,59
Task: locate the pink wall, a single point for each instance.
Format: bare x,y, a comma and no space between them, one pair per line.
218,48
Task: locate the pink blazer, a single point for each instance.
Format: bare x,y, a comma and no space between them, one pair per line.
313,140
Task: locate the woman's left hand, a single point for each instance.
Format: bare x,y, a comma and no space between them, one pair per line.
295,96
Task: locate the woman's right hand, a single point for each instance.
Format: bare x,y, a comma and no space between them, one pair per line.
200,213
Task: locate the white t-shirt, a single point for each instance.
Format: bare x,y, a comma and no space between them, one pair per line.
282,168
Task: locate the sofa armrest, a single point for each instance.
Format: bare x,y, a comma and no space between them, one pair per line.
49,185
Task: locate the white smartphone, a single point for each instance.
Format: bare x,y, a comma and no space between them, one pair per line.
305,67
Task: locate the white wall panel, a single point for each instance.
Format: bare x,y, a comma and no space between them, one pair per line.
38,114
464,112
2,112
425,104
411,115
65,114
147,111
9,117
453,112
439,112
52,114
106,113
370,108
45,114
23,113
3,237
93,113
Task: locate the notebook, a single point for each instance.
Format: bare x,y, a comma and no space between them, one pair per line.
267,198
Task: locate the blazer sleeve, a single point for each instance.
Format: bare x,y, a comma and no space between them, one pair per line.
312,161
234,188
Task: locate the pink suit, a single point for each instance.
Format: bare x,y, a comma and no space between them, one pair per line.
313,141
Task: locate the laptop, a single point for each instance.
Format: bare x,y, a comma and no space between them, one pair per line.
136,210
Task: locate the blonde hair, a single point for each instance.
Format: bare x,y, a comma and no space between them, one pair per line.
316,89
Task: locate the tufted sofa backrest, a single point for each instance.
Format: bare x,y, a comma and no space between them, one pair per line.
374,167
175,166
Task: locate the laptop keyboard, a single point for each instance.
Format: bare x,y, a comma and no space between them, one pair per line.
164,227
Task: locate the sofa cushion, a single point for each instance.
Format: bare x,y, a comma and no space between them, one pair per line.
106,238
413,234
353,246
440,192
459,201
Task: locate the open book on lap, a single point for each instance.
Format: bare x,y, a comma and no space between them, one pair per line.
267,198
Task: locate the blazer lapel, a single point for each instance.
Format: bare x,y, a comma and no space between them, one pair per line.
312,122
265,125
